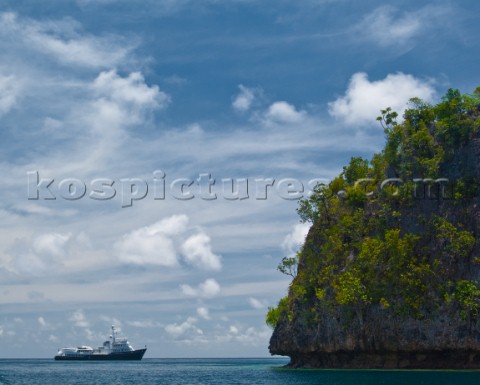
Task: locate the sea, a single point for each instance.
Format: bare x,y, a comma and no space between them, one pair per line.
245,371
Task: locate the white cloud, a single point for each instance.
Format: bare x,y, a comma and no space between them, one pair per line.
386,27
147,324
45,254
91,336
111,106
62,40
283,112
9,91
203,313
189,290
87,52
187,327
243,101
44,325
198,252
130,90
364,99
121,101
27,263
295,239
152,245
208,289
245,336
111,321
52,244
253,336
52,338
79,319
257,304
175,80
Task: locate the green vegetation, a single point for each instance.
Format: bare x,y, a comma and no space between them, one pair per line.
374,244
274,314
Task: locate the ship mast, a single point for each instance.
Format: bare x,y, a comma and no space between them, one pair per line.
113,335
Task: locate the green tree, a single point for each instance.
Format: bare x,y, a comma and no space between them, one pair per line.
356,170
317,204
275,314
288,266
467,295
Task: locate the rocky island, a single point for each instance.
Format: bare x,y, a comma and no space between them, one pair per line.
389,273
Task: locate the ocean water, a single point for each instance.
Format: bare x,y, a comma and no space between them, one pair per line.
211,371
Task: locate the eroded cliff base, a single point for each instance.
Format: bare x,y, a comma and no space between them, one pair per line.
448,359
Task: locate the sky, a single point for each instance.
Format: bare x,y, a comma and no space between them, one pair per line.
153,154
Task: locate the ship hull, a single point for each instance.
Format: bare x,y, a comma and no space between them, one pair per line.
135,355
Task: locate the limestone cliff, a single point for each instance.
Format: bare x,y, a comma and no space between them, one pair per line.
389,274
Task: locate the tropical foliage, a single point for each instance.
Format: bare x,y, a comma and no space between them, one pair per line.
397,232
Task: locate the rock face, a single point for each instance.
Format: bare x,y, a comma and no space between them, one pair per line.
381,343
390,278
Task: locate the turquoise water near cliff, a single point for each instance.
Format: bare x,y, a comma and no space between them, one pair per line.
262,371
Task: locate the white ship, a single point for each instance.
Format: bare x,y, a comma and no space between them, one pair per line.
115,348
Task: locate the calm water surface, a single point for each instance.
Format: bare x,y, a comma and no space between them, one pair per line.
212,371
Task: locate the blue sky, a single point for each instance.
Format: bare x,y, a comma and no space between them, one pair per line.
234,89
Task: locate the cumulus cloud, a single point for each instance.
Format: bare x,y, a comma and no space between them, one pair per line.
208,289
203,313
243,101
295,239
53,244
283,112
79,319
121,101
364,99
245,335
130,90
9,91
166,243
188,327
147,324
44,254
386,26
197,251
154,244
253,336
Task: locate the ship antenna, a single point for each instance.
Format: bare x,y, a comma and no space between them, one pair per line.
113,334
